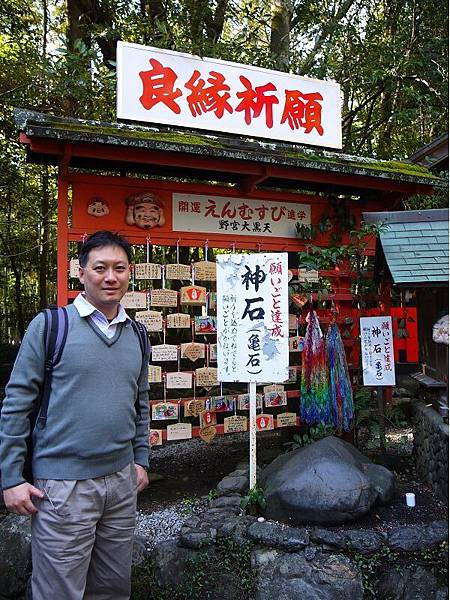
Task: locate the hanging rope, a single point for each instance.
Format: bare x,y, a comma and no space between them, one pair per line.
341,395
314,387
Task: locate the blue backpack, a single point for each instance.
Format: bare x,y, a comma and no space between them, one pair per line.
55,335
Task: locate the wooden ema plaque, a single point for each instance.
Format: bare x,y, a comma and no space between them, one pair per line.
147,271
134,300
264,422
296,343
286,420
164,410
235,424
205,271
244,401
276,387
292,376
194,295
155,437
178,321
179,431
299,299
207,434
178,271
164,352
74,265
206,377
194,407
178,381
274,399
152,319
293,320
163,298
207,417
308,275
193,351
154,374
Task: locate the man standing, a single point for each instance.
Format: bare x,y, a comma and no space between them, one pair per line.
90,460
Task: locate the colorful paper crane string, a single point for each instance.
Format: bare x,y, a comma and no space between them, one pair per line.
314,389
341,394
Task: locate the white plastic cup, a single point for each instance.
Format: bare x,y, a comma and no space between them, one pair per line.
410,499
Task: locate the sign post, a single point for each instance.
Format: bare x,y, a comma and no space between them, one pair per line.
377,353
252,325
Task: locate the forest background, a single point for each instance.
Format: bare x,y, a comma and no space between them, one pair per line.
58,56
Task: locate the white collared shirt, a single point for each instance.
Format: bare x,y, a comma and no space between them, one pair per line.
86,309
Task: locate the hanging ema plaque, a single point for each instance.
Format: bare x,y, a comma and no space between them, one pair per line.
134,300
207,418
155,437
193,351
74,265
147,271
193,294
208,433
205,325
179,431
277,387
205,271
286,420
164,297
152,319
178,321
206,377
264,422
235,424
164,410
273,399
164,352
178,271
296,343
154,374
292,375
222,403
244,401
192,408
178,380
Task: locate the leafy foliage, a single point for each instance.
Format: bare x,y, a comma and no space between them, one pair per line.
389,57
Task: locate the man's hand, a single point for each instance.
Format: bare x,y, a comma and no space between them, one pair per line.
142,478
18,499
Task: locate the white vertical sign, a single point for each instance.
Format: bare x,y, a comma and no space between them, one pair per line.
252,325
252,317
377,351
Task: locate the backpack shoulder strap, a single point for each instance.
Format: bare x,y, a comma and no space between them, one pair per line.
55,333
141,332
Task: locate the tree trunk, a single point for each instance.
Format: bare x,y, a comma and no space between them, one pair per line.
281,16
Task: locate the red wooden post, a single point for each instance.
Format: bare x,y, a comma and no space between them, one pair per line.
62,240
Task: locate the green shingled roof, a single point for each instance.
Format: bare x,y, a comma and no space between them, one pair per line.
415,245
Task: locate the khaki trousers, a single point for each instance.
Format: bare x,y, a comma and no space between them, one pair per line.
82,538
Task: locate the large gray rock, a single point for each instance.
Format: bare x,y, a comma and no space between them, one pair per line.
289,539
326,483
290,576
15,555
415,583
413,538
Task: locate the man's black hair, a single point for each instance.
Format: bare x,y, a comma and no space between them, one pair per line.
100,239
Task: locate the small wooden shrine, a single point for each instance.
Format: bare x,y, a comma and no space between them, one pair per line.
180,195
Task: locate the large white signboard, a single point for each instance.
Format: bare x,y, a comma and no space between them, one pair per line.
252,317
238,216
163,86
377,351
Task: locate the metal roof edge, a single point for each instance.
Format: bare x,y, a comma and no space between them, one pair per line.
407,216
